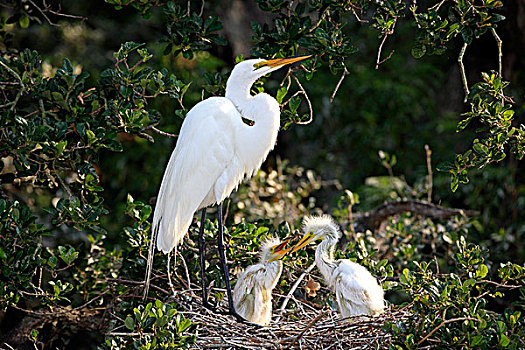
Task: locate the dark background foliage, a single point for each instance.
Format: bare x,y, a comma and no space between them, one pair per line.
88,86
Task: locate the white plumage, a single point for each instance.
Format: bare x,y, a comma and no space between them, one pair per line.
216,150
357,291
252,296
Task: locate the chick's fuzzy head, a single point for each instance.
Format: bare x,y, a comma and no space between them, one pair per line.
322,226
271,249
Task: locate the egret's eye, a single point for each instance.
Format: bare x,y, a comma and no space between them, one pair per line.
259,65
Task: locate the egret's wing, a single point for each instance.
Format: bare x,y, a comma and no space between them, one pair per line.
252,295
205,148
357,290
245,293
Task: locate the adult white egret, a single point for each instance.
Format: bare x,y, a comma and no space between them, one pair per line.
252,295
215,151
357,291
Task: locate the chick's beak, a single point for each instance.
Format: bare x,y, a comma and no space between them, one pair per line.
279,251
280,61
307,238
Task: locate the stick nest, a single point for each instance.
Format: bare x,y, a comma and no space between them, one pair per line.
307,326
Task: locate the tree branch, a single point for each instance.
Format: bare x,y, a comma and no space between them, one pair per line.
307,100
372,220
378,60
446,322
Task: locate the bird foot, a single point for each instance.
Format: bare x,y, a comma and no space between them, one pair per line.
230,312
208,306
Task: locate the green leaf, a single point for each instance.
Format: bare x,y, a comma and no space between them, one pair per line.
446,166
281,93
480,148
129,323
24,21
454,182
145,212
504,340
419,50
66,66
184,324
482,271
52,261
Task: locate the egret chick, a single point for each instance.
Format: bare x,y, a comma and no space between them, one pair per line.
252,295
357,291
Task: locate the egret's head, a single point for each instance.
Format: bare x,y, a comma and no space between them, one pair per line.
318,227
253,69
273,249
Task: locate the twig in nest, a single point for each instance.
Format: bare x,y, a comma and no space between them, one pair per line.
308,326
462,70
345,73
294,287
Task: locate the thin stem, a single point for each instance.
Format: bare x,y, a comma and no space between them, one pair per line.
500,54
378,60
294,287
323,15
428,152
20,92
345,73
357,17
163,133
462,70
307,100
62,182
444,323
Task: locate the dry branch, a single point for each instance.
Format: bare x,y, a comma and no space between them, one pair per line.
372,220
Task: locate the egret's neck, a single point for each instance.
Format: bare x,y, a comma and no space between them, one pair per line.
324,258
238,91
257,140
273,272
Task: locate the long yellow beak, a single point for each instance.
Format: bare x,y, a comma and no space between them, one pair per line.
307,238
280,61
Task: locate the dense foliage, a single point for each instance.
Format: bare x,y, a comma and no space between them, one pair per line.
91,105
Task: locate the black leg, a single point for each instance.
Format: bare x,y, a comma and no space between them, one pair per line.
201,253
222,255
